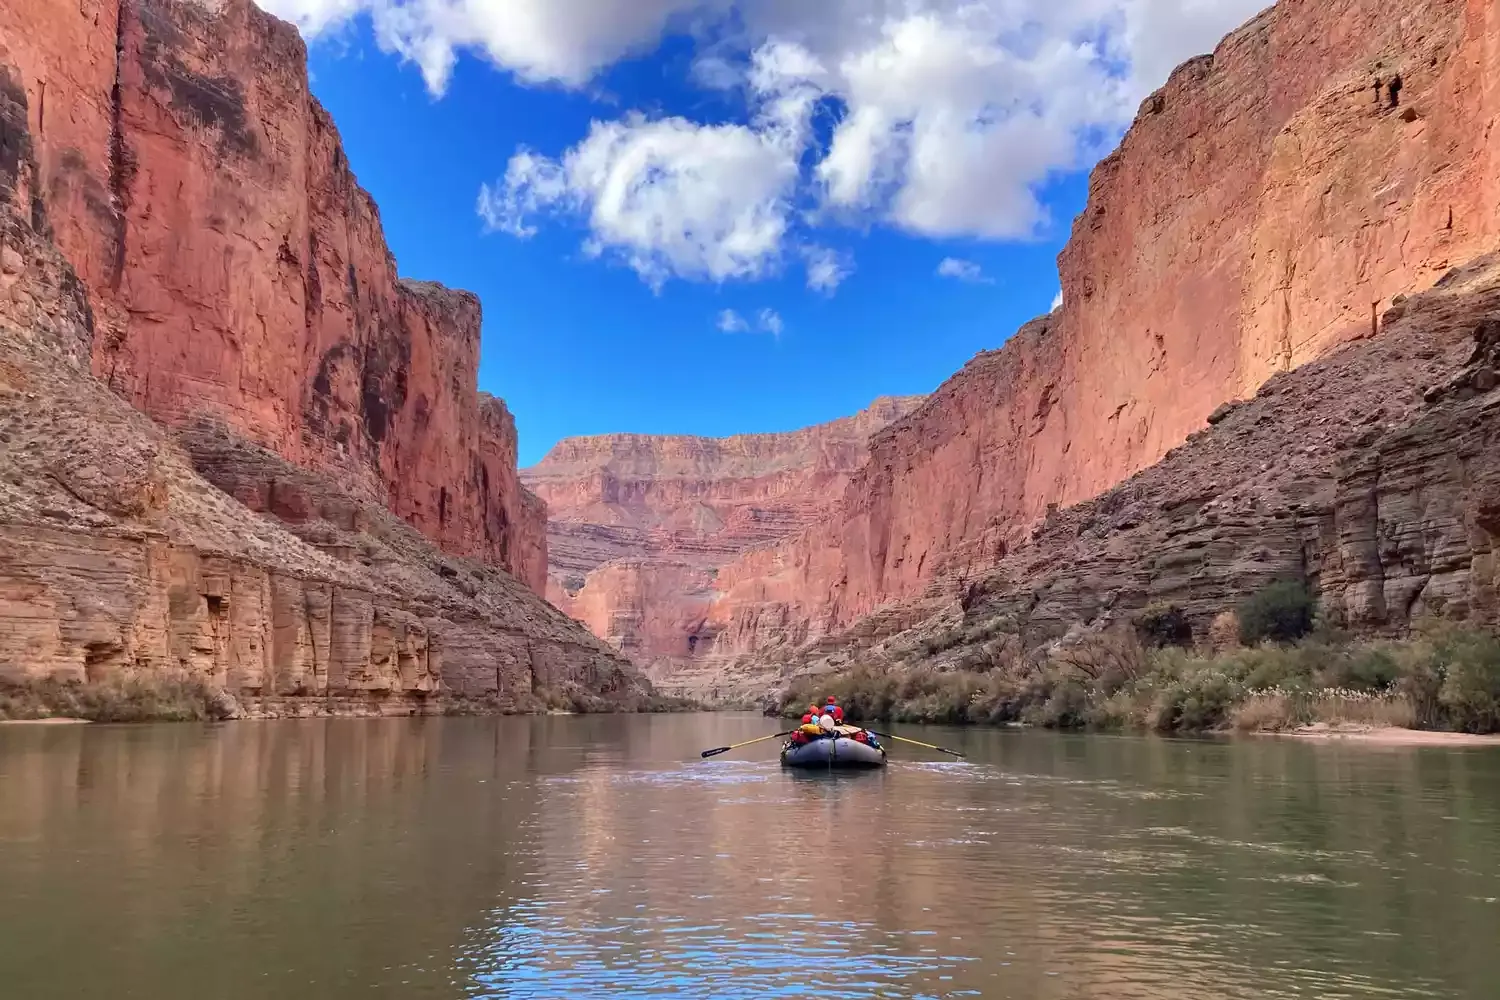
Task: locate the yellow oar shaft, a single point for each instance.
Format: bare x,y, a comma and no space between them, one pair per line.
758,739
736,746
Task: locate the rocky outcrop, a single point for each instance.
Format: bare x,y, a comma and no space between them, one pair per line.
1265,207
237,272
1373,474
641,524
125,551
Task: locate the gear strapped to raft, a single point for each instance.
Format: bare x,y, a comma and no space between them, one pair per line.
811,733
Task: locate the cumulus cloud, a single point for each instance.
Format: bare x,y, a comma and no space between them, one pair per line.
769,321
670,197
962,270
948,116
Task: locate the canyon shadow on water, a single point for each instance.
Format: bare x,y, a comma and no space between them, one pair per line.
598,856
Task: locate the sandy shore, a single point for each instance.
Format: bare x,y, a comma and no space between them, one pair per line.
43,722
1390,737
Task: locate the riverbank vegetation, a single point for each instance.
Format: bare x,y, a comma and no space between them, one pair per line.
173,697
157,697
1267,669
570,701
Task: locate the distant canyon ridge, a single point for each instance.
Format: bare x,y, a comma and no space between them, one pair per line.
641,527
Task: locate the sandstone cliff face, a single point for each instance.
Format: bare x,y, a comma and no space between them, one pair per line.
1374,474
640,524
126,552
1266,204
237,271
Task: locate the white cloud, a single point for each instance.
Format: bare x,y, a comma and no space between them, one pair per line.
962,270
766,321
567,41
949,114
826,269
1056,301
732,322
667,197
670,197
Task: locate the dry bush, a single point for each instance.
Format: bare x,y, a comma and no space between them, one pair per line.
163,696
1224,632
1107,659
1264,712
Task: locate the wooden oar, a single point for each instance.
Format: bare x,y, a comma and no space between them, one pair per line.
758,739
903,739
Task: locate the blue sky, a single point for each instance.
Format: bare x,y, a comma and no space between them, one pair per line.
651,311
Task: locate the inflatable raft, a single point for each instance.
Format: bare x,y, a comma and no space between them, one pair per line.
839,750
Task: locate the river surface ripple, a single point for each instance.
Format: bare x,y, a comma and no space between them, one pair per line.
600,857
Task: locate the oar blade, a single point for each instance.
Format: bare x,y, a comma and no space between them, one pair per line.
717,750
918,743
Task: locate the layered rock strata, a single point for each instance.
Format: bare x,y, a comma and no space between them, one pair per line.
237,271
126,552
641,524
1264,208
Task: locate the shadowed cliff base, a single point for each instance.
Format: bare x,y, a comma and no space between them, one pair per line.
165,696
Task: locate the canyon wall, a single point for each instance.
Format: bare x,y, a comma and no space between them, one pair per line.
641,524
138,549
237,271
1265,206
1372,473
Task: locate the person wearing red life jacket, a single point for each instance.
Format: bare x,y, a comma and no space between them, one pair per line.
809,718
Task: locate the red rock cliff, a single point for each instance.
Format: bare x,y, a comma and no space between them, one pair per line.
640,524
237,270
1328,156
129,554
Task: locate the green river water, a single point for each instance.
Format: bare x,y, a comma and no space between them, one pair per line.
599,857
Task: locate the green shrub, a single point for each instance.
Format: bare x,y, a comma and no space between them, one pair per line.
1200,699
1161,625
1469,696
1371,667
1280,612
1066,706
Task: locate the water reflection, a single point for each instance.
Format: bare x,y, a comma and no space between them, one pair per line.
600,857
